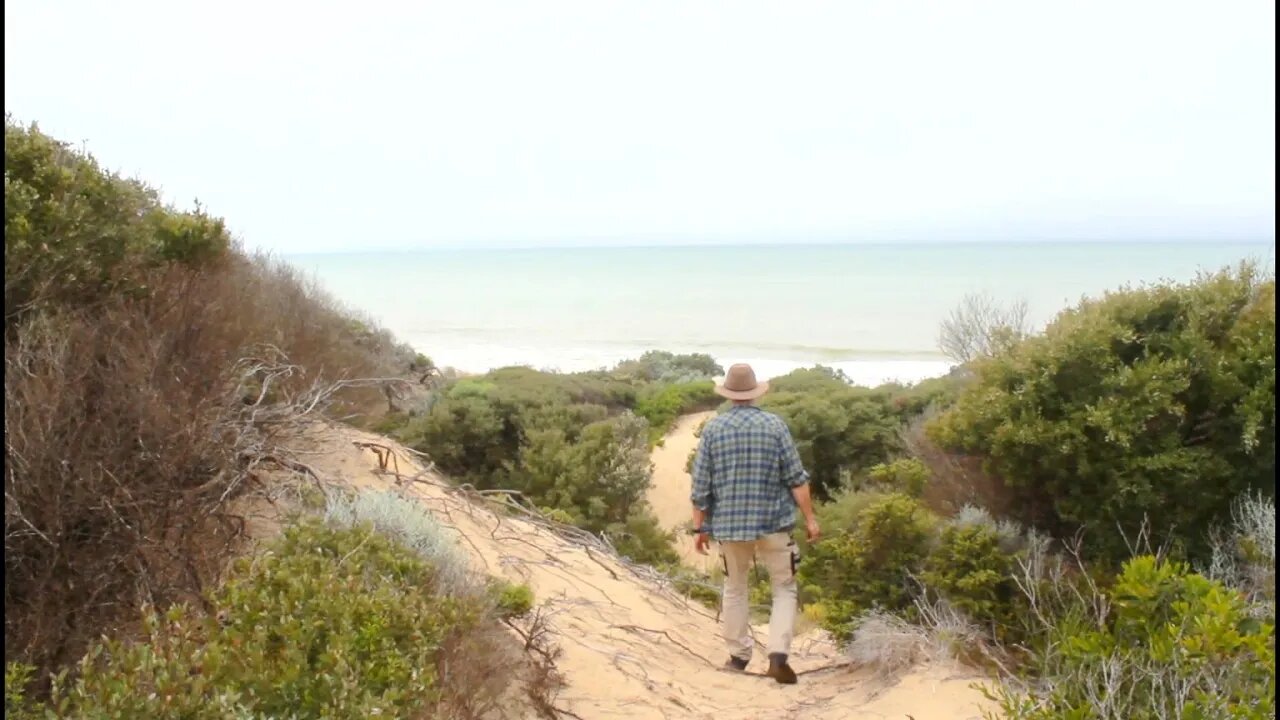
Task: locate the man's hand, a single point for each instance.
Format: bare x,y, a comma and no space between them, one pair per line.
811,528
805,503
699,528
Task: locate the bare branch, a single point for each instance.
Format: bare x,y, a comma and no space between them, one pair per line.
981,327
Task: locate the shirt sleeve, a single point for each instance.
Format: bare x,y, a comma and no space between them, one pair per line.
702,495
790,466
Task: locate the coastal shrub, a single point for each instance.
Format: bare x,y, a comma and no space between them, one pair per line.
149,364
511,600
1010,536
816,379
599,478
129,429
567,443
884,552
598,481
955,481
836,432
572,419
519,388
406,522
819,426
909,402
642,540
970,570
870,566
842,513
660,366
907,475
1155,403
471,387
388,424
17,680
465,436
333,623
476,431
1162,642
76,234
661,405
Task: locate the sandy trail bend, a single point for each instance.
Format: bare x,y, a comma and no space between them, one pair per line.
631,647
669,494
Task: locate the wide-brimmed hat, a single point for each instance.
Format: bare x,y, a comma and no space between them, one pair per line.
740,384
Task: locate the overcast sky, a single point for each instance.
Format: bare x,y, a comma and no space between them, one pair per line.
331,126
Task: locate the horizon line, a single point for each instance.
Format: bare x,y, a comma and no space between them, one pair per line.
774,244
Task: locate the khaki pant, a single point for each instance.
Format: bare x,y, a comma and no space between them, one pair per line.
777,553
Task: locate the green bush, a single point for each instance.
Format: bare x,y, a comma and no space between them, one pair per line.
1151,403
842,513
659,366
661,405
969,569
511,600
818,379
599,478
870,566
566,442
1174,644
908,476
471,387
705,589
329,623
641,539
477,430
465,437
837,430
910,401
74,233
598,482
517,388
17,679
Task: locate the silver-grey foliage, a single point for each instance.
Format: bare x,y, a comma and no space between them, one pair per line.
407,522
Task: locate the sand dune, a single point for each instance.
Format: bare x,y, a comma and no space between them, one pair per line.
631,648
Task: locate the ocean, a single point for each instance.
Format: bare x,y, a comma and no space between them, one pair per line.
872,311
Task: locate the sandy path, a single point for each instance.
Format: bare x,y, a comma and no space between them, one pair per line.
632,648
669,493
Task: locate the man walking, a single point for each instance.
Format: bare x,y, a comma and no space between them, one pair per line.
747,482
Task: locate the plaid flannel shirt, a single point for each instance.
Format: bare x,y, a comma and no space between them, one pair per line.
743,473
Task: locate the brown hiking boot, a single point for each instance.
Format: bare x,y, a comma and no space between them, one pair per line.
779,669
736,664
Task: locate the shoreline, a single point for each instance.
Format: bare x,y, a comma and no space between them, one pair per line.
869,373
